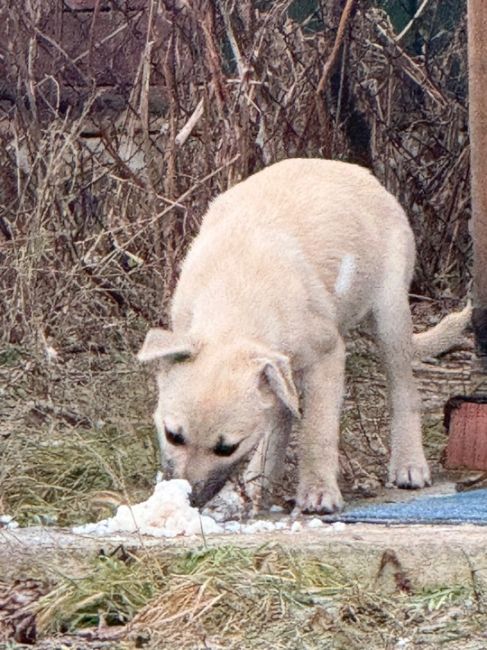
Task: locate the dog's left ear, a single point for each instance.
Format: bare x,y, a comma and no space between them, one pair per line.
275,374
164,344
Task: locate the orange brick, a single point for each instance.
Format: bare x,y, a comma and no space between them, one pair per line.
466,422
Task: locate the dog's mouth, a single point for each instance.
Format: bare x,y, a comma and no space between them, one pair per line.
204,491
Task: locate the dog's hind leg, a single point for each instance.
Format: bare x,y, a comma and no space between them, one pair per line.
408,467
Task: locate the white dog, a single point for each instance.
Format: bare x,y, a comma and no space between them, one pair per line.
286,262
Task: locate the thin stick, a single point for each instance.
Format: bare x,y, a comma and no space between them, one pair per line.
330,62
320,101
185,132
418,13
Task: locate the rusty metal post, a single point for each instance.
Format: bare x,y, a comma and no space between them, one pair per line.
477,65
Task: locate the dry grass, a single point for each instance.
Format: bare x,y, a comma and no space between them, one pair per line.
74,452
77,478
231,597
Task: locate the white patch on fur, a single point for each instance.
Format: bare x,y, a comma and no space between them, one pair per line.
345,274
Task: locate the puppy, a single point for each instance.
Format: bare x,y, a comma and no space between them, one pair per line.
285,264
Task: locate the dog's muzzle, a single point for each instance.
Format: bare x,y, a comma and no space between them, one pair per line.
168,469
204,491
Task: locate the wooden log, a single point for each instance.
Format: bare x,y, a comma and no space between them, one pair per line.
477,63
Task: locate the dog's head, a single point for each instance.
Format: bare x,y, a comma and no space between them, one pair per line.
216,402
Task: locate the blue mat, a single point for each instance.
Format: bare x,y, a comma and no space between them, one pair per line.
460,508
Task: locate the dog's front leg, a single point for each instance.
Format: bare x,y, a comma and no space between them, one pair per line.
266,467
318,438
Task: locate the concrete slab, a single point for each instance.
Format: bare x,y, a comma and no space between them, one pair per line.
427,556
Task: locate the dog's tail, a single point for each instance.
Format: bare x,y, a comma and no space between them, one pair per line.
448,333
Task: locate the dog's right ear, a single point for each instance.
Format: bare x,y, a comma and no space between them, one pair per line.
275,374
163,344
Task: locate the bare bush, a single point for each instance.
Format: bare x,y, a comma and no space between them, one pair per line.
119,124
415,108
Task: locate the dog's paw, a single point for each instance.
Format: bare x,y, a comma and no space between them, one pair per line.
321,498
410,476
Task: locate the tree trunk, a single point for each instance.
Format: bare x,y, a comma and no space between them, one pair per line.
477,62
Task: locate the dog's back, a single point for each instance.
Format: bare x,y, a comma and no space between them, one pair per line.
327,224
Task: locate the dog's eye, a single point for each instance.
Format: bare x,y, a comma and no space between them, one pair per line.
174,438
223,449
180,357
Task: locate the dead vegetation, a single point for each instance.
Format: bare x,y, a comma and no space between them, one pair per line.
230,597
105,177
74,452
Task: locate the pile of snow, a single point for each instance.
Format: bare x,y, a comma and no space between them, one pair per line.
167,513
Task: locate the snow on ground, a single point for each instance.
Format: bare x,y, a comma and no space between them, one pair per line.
6,521
167,513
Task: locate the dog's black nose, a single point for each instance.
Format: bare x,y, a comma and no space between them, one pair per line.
198,497
204,491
